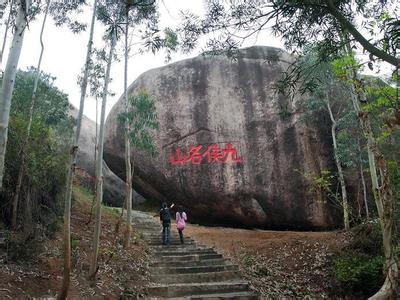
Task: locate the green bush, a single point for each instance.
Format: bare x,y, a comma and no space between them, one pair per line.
367,238
21,246
359,272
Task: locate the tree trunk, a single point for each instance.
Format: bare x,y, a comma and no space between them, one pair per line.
128,167
72,165
345,202
7,86
28,129
6,32
383,195
364,192
99,168
28,223
363,183
359,206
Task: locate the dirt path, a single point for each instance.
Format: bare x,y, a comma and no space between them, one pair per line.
277,263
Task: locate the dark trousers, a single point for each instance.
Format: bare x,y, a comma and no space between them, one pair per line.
180,231
166,233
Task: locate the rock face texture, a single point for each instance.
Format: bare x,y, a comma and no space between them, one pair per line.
221,105
114,187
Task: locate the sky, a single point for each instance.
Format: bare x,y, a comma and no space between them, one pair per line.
65,52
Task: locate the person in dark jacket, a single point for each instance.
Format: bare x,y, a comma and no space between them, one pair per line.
165,218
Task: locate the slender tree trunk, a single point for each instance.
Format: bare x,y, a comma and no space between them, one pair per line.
28,129
364,187
359,206
99,168
383,195
345,202
72,165
6,32
96,135
7,86
128,167
28,224
364,191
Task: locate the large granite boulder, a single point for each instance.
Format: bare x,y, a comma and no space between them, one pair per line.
113,186
253,146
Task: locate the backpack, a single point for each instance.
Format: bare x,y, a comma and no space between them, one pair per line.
165,216
180,220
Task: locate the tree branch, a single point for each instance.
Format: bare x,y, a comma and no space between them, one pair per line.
360,38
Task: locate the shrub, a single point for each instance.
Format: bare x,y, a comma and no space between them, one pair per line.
367,238
21,246
359,272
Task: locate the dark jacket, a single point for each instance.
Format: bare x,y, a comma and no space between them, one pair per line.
165,216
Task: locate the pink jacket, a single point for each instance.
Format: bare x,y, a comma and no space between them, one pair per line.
181,220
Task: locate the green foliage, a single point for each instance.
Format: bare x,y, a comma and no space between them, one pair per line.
359,272
46,151
394,171
140,120
299,23
52,104
248,261
284,112
21,246
320,185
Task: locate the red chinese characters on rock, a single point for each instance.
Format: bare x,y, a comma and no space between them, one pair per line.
213,154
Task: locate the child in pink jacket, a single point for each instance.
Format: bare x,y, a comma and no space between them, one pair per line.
181,219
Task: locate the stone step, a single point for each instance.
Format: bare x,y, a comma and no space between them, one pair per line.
173,242
186,251
159,237
188,257
247,295
196,277
197,289
193,269
149,228
177,246
192,263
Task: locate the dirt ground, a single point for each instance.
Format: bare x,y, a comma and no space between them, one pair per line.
278,263
121,272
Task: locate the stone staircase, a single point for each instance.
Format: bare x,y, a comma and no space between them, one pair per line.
189,271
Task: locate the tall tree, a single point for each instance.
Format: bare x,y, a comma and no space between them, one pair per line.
381,185
7,25
10,71
325,94
111,15
140,119
99,163
72,166
28,129
128,165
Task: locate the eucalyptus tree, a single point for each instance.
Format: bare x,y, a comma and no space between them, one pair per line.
324,94
137,14
7,27
72,163
24,10
382,189
140,119
28,129
110,14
